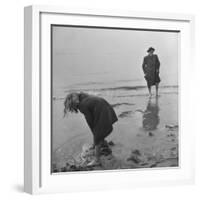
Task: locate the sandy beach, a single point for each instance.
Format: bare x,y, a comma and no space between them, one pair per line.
145,136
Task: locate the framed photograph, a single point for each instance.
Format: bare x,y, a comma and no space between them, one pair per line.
106,99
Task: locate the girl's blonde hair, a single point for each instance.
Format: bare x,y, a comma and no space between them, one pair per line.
69,104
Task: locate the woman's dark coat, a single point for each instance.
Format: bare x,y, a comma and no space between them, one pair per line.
99,115
151,66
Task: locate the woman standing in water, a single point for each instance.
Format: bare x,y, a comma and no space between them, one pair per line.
151,67
98,113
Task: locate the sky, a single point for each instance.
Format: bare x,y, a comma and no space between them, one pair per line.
83,54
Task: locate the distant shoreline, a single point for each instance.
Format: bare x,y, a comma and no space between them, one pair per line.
122,88
97,91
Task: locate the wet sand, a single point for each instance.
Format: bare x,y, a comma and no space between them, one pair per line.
145,136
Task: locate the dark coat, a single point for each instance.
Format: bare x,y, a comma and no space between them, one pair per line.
99,115
151,66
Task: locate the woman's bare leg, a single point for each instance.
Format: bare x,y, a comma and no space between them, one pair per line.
157,84
149,88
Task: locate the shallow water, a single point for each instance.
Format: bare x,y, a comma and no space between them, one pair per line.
141,124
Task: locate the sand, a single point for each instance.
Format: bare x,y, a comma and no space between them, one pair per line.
145,136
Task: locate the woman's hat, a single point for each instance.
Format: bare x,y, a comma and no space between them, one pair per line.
150,49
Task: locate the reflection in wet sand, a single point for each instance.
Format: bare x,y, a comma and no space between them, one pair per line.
151,117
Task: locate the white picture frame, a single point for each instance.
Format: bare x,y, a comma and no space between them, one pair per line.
37,174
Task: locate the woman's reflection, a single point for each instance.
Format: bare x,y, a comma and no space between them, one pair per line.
151,115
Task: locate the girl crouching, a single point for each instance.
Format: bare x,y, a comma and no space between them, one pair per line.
99,114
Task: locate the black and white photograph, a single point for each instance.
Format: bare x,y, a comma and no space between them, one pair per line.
114,98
